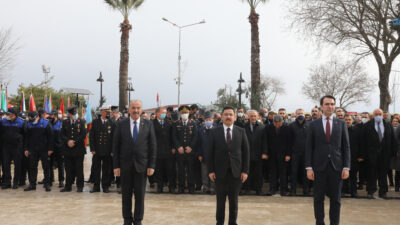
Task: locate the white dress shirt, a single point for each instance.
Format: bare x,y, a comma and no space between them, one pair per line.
225,130
133,125
382,127
324,123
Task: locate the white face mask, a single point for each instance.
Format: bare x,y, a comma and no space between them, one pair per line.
240,114
75,117
185,116
364,120
8,118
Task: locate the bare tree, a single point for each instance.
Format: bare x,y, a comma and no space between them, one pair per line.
270,88
8,51
226,98
346,81
362,26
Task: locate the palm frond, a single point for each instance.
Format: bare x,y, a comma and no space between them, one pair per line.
124,6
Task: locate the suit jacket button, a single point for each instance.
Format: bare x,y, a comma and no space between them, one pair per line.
329,156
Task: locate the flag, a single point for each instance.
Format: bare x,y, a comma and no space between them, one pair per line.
50,104
88,115
3,101
158,100
46,105
69,102
23,106
62,105
32,105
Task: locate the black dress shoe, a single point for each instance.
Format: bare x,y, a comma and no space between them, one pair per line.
152,185
259,193
47,188
172,190
61,184
191,190
7,186
370,196
360,187
15,186
396,189
106,190
306,193
355,195
30,188
384,196
160,190
41,182
128,221
79,189
137,222
95,189
66,189
284,194
181,190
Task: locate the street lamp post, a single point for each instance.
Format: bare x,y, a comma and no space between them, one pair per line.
129,88
46,71
179,78
240,90
101,80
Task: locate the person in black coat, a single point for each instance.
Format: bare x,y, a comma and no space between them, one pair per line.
13,143
101,137
135,154
350,185
228,163
73,134
278,154
379,146
254,131
165,165
57,156
184,137
40,145
327,160
298,134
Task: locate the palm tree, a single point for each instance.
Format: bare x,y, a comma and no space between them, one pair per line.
255,100
125,7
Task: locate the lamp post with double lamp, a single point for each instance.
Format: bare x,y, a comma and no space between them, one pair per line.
240,90
101,80
129,88
179,78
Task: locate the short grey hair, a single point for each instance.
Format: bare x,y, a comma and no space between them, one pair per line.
278,118
252,111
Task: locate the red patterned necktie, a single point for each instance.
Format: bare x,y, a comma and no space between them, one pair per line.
228,137
328,129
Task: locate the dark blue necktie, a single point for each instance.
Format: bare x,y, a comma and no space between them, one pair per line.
135,131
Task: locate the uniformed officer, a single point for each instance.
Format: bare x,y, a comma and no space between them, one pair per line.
57,156
24,160
73,134
39,139
184,138
1,147
101,147
115,117
13,134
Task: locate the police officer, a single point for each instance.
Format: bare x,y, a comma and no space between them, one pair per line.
73,134
13,134
184,136
1,147
57,156
101,147
39,139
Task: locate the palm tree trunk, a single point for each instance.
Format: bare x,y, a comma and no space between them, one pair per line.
255,100
385,99
123,64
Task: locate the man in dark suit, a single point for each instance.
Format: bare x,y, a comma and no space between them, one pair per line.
134,149
327,160
379,147
228,163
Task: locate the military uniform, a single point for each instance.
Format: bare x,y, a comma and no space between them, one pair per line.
13,142
101,143
184,134
73,157
57,156
39,141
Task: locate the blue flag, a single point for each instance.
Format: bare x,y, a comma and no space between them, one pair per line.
88,116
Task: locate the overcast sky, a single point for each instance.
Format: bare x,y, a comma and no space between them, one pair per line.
77,39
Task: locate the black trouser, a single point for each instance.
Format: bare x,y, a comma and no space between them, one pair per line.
278,166
197,171
59,158
11,154
328,182
362,172
227,186
133,183
25,170
74,168
297,162
34,157
165,168
185,163
397,179
255,179
377,172
101,165
350,185
1,165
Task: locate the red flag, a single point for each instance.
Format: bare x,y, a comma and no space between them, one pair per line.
69,102
158,100
32,105
62,105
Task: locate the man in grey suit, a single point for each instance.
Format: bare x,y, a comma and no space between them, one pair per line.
228,163
134,152
327,160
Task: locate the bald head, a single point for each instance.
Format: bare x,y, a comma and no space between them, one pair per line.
135,109
378,112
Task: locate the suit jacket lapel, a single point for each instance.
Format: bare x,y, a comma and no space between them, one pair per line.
321,128
141,133
222,134
128,131
335,128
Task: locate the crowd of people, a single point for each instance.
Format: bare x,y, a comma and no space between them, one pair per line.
277,143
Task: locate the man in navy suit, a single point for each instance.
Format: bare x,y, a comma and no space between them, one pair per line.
327,160
135,149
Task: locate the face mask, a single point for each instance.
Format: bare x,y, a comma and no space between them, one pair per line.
59,117
300,117
8,118
163,116
185,116
35,122
209,123
258,121
240,114
75,117
364,120
378,119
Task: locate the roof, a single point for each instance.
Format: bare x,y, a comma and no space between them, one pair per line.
77,91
